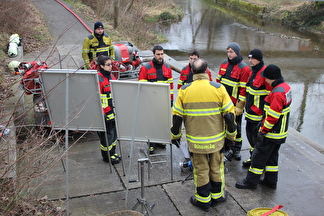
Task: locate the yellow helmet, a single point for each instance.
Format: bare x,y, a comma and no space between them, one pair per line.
13,66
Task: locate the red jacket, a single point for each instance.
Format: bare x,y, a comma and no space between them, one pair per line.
186,76
148,73
235,81
105,94
277,109
256,91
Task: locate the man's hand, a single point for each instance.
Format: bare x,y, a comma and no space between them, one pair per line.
260,136
176,142
238,111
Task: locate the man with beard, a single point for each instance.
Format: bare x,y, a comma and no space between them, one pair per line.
157,71
96,44
233,74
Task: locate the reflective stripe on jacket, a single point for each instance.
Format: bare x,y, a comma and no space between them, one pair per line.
105,94
234,82
92,48
148,73
202,105
256,91
277,109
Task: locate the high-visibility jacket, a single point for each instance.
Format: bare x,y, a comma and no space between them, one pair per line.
186,76
105,94
92,48
202,104
234,81
256,91
148,73
277,109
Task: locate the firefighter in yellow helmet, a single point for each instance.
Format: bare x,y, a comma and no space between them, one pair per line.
96,44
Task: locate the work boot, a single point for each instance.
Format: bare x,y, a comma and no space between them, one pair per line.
245,185
214,202
114,159
247,163
151,149
196,203
237,155
268,184
117,156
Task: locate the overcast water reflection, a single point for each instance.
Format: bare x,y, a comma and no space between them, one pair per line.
209,28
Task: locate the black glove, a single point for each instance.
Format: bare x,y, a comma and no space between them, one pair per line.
260,136
229,120
176,142
172,103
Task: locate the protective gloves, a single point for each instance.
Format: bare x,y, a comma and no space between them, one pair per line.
229,120
238,110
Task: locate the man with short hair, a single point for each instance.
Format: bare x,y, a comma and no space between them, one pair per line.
207,112
233,74
186,75
96,44
256,90
157,71
271,134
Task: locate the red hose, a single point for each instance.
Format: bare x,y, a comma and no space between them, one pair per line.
76,16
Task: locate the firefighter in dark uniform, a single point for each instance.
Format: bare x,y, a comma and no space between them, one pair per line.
105,75
96,44
157,71
208,115
256,90
272,133
233,74
186,75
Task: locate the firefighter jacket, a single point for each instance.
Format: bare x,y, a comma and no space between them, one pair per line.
105,95
150,73
202,104
234,74
276,111
186,76
256,90
94,46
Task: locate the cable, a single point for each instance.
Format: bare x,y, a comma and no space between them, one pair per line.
74,14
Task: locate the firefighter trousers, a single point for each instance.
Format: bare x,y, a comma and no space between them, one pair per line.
264,160
112,139
208,171
251,134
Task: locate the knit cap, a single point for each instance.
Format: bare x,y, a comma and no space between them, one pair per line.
272,72
235,46
98,25
256,54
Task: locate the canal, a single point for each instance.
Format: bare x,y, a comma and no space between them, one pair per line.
209,28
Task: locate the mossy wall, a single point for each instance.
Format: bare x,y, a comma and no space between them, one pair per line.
243,6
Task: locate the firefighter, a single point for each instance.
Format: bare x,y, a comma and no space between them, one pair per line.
105,75
233,74
186,75
256,90
96,44
157,71
272,133
208,115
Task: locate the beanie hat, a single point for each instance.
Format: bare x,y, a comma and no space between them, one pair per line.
98,25
235,46
272,72
256,54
